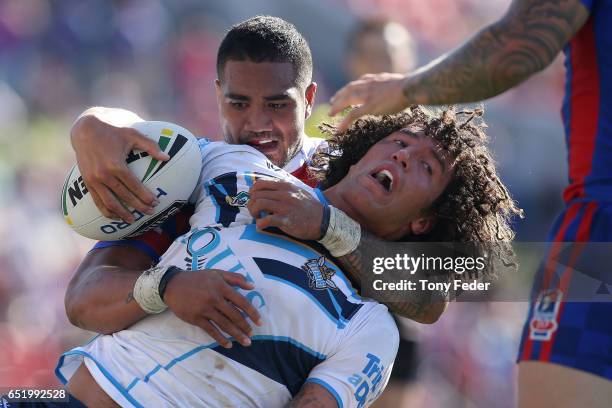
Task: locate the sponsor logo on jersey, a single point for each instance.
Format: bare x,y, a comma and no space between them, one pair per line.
239,200
319,274
545,312
367,383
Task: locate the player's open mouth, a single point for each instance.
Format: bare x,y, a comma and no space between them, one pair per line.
385,178
263,145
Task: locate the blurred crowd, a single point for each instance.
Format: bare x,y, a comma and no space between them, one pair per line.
157,58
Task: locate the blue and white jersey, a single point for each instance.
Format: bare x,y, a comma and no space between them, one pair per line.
315,327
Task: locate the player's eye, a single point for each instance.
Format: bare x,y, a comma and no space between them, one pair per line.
238,105
277,106
400,143
427,168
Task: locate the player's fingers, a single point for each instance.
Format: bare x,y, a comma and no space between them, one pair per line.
213,332
345,98
235,279
351,117
243,304
100,204
110,201
256,206
137,196
278,221
126,196
230,328
141,142
236,318
273,195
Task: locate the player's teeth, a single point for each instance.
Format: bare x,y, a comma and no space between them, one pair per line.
385,178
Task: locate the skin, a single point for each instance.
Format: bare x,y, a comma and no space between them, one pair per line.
313,396
502,55
261,101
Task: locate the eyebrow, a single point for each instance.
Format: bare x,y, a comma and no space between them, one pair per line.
238,97
433,151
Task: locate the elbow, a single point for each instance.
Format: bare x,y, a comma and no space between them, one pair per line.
433,313
75,309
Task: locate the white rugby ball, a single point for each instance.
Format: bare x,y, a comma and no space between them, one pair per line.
173,182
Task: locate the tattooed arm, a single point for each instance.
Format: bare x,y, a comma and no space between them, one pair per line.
418,305
313,396
524,41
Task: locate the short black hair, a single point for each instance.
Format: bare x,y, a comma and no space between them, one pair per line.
267,39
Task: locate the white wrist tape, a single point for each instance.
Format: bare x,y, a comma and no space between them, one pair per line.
343,234
146,290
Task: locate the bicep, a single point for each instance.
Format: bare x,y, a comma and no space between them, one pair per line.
313,395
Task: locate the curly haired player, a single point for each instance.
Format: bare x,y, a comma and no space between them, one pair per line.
315,343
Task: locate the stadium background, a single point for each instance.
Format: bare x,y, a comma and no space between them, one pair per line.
157,58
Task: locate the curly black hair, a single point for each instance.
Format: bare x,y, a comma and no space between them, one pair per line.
475,207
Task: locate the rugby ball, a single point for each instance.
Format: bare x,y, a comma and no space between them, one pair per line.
173,181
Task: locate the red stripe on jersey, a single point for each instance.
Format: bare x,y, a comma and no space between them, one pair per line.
303,174
160,240
555,247
582,236
584,109
551,264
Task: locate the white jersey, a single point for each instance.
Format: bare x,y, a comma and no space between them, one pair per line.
315,327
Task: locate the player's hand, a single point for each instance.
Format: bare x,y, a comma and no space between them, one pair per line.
283,205
372,94
208,296
101,150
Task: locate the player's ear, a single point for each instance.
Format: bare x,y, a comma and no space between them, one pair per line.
310,92
422,225
218,90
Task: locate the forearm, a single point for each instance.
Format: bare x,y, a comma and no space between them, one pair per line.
103,301
500,56
99,295
419,305
98,116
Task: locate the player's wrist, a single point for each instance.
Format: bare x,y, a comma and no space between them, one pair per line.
342,234
150,288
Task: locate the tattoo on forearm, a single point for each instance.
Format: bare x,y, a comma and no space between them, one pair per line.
417,305
129,297
311,396
502,55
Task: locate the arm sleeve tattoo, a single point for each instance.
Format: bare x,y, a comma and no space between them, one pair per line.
417,305
502,55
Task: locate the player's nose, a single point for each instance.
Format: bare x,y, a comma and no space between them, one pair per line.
402,157
258,121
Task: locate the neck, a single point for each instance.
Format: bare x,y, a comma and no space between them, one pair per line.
297,148
336,199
